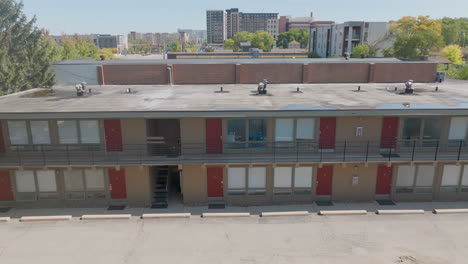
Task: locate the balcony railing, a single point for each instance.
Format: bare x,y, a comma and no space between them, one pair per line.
245,152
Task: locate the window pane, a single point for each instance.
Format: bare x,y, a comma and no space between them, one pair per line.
465,176
94,179
89,132
305,128
405,177
283,177
236,178
67,132
431,129
236,130
40,132
451,175
425,176
284,129
46,181
25,181
18,132
257,178
257,130
458,127
73,180
303,177
411,128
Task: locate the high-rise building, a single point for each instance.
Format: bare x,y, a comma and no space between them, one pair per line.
232,22
252,22
287,23
216,26
273,27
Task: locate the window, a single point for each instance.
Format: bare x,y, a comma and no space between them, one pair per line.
40,132
89,132
18,132
288,179
85,184
415,179
424,130
457,132
242,180
246,130
454,179
33,185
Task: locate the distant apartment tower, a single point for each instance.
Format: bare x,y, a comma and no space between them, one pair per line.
287,23
216,26
336,40
102,41
253,22
273,27
232,22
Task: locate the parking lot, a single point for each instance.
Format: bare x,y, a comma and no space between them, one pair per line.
424,239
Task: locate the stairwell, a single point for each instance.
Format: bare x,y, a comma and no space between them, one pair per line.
160,191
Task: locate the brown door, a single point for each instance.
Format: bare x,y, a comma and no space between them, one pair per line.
113,132
324,180
384,180
5,186
215,182
327,133
389,134
117,184
214,132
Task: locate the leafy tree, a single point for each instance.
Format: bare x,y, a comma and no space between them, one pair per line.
229,44
455,31
388,52
416,36
262,40
313,55
175,46
108,53
209,49
242,36
77,47
26,53
453,53
299,35
138,46
361,50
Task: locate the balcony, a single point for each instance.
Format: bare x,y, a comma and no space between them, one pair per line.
253,152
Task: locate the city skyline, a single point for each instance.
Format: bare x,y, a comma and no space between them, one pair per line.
78,17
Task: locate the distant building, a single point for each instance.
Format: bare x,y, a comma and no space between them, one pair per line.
273,27
294,45
336,40
252,22
102,41
196,35
232,22
216,26
287,23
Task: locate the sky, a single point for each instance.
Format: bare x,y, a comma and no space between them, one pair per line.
123,16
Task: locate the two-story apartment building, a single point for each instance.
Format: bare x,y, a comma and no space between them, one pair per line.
145,145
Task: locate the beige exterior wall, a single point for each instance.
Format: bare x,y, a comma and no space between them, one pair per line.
133,131
346,128
194,184
138,185
192,134
343,188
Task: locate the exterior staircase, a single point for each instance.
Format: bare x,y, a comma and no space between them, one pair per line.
160,191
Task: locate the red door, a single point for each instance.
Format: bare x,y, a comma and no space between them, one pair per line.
5,186
384,180
389,133
2,142
215,182
113,135
214,132
327,132
117,183
324,180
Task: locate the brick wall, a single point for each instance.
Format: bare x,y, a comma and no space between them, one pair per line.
135,74
275,73
204,73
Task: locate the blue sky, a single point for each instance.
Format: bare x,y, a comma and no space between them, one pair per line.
122,16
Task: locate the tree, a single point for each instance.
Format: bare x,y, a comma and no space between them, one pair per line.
26,53
361,50
242,36
455,31
299,35
388,52
209,49
453,53
175,46
229,44
262,40
416,36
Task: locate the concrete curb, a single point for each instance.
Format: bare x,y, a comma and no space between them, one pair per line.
393,212
450,211
214,215
343,212
45,218
4,219
106,217
293,213
158,216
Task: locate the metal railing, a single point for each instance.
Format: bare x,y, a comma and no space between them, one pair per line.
234,152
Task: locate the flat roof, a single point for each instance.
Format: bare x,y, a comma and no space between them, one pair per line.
239,100
232,61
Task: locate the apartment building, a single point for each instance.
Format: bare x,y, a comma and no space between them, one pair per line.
336,40
102,41
200,144
216,26
253,22
273,27
287,23
233,20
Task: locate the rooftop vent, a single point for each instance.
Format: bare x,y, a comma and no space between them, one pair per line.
221,90
262,87
409,87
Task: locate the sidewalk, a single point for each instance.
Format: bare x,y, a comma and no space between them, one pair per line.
254,210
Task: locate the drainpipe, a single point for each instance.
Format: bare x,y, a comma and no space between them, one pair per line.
169,72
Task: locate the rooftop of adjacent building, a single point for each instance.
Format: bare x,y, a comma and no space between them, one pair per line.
240,99
234,61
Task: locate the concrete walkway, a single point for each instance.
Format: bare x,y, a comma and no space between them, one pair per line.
371,207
